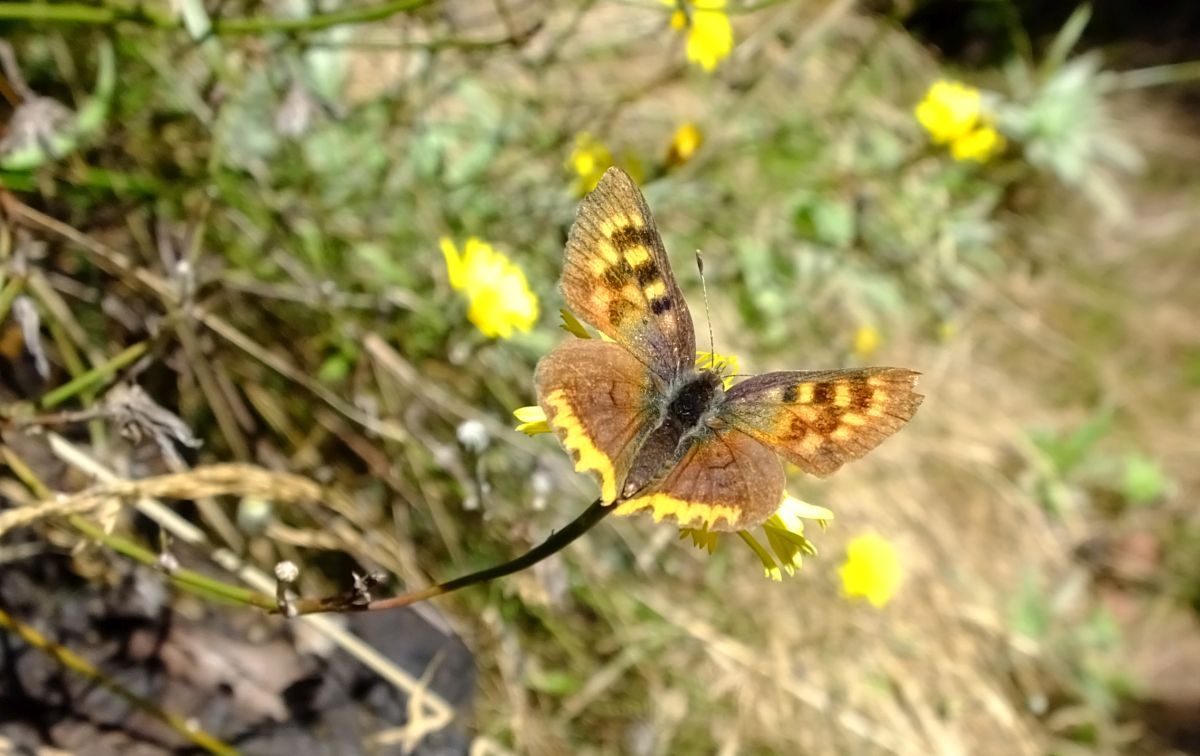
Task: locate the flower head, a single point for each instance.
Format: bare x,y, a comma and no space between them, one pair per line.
871,569
684,144
954,115
588,161
499,297
866,340
784,531
709,33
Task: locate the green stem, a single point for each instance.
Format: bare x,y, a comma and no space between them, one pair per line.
73,13
94,376
552,545
9,293
189,580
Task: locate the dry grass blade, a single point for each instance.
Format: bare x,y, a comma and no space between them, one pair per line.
212,480
227,479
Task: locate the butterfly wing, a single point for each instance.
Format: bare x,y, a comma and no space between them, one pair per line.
599,400
822,419
617,277
726,481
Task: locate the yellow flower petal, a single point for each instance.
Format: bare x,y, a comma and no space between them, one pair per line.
726,365
770,568
980,145
454,263
793,511
571,324
533,420
871,569
701,538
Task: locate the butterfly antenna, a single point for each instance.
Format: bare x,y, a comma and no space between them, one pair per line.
712,349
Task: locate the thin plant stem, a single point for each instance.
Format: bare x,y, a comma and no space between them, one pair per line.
96,375
552,545
74,13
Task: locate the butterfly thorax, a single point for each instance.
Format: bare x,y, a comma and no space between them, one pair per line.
687,405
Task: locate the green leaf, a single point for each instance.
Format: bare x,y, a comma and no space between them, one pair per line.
1067,452
1144,480
559,682
827,221
1030,611
1066,39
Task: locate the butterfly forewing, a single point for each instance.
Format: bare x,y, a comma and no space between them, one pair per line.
821,420
617,278
726,481
599,400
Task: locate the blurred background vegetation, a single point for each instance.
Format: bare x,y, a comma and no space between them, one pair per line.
221,232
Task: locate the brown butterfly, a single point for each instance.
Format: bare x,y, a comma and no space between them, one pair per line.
659,434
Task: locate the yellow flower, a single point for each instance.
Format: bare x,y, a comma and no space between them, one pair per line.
953,114
871,569
866,341
727,364
589,160
784,531
684,144
980,145
499,297
949,111
709,33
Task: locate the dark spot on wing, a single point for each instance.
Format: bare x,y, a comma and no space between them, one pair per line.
628,237
613,277
797,430
826,423
660,305
822,393
860,395
789,394
646,272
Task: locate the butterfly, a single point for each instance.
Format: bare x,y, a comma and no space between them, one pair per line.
659,434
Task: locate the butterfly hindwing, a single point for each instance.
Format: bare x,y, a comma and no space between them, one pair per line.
820,420
617,277
598,399
725,481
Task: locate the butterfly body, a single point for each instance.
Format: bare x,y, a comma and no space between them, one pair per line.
687,408
659,434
